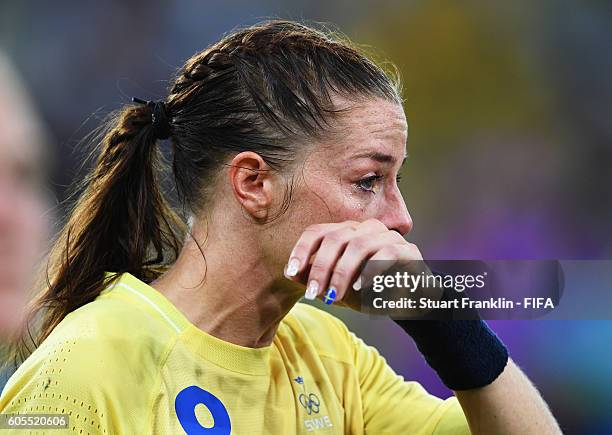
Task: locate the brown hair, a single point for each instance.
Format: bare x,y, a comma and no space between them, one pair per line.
265,88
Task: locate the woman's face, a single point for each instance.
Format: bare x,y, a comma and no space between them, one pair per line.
23,230
353,177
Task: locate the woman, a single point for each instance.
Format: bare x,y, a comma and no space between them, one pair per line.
24,225
286,147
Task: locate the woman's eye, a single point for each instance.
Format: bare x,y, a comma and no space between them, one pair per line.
368,183
398,178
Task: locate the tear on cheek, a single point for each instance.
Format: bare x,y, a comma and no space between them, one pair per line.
354,207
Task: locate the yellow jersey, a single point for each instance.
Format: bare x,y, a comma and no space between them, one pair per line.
131,363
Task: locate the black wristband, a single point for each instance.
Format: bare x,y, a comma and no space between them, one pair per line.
466,354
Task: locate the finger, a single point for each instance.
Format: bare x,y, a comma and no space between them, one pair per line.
400,258
330,250
310,240
387,258
409,259
356,253
307,244
399,251
371,226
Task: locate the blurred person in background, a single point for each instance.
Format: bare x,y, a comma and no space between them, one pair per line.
23,227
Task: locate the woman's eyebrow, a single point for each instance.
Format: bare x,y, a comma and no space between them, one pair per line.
378,156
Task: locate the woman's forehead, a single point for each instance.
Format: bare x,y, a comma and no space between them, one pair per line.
376,129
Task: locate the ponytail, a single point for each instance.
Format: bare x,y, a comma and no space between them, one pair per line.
120,223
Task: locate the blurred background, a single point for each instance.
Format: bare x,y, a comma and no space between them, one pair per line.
510,137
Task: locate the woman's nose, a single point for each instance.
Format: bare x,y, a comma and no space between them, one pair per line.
396,216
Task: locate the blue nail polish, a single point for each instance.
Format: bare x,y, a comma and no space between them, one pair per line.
330,296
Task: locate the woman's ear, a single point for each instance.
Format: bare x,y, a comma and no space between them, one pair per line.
253,184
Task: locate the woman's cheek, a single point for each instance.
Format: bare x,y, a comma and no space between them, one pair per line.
355,206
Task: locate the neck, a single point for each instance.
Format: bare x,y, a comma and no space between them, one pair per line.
232,294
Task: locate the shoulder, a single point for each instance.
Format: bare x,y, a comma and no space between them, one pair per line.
114,324
104,352
104,335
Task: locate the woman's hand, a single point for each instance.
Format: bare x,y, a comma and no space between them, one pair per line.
328,258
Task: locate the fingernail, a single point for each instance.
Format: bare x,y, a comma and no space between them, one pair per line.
293,266
330,296
357,284
312,290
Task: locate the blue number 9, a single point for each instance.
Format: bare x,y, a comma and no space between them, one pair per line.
185,404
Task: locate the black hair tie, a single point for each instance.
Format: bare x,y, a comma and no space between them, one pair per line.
159,118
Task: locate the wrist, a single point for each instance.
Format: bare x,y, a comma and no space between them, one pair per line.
465,354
